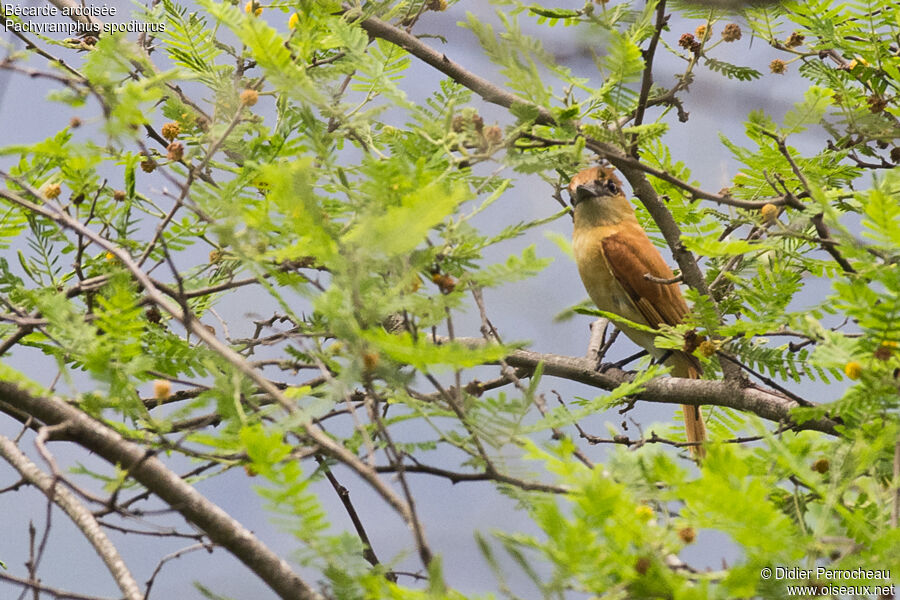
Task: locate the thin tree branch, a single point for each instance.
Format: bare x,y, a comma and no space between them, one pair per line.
80,515
647,79
148,470
818,221
488,91
172,556
46,589
53,212
344,496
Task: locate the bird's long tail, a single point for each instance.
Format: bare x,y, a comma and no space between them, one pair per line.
693,417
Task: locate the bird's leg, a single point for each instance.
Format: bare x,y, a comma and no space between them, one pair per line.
662,359
602,367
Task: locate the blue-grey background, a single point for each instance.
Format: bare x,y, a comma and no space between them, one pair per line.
522,311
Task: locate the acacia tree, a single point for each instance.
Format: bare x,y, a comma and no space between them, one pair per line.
273,149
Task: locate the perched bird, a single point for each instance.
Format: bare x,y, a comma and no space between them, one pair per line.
613,253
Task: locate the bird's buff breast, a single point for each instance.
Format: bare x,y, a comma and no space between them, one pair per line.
603,288
599,282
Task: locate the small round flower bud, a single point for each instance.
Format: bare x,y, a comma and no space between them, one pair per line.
215,256
876,104
370,361
171,130
153,315
162,389
437,5
707,348
148,165
445,283
175,151
778,66
253,8
119,195
493,135
821,466
642,565
769,212
249,97
691,341
795,39
51,190
687,535
687,41
294,21
701,32
643,512
74,123
731,33
885,351
853,369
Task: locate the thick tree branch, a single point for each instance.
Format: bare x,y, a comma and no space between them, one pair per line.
738,395
673,390
79,514
221,528
687,262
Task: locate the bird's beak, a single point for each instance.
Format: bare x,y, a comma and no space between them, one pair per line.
584,192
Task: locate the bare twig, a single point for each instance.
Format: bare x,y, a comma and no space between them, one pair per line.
63,219
221,528
488,91
57,593
647,79
80,515
172,556
344,496
825,240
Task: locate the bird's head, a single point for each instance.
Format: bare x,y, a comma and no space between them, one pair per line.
597,195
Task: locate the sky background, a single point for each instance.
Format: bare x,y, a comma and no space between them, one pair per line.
521,311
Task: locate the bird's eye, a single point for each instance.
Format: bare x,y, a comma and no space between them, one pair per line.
611,187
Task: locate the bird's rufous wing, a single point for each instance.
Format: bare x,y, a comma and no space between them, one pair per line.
630,255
